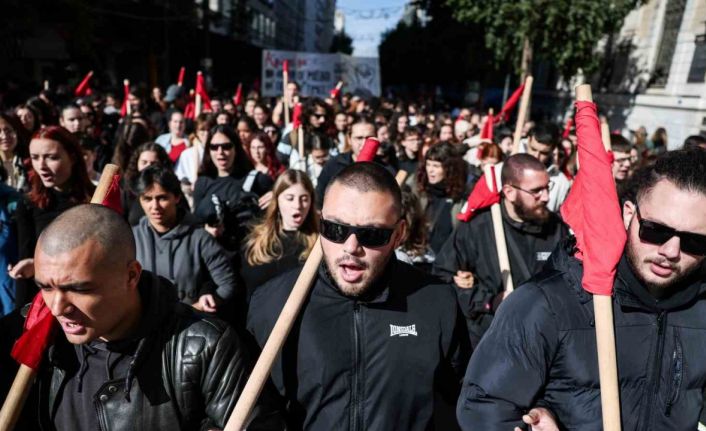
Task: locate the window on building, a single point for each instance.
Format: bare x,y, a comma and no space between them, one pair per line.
697,71
672,22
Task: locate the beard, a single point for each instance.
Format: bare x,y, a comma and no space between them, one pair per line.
359,288
663,287
538,214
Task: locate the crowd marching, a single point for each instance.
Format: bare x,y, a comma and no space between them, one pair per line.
165,307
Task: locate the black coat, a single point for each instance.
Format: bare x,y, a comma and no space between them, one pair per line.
187,373
541,351
372,364
471,247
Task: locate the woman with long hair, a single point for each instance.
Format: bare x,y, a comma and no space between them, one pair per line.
315,119
441,183
58,181
29,117
415,248
132,134
286,234
263,155
187,167
144,156
13,152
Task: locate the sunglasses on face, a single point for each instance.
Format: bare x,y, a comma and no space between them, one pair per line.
225,147
319,116
656,233
371,237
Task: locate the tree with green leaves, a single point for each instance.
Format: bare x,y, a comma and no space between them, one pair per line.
342,43
562,32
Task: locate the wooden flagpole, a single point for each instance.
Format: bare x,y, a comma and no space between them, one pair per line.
522,114
500,244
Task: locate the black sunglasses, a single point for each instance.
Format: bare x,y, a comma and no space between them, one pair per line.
371,237
225,147
656,233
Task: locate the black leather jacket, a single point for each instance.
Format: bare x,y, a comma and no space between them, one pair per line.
187,372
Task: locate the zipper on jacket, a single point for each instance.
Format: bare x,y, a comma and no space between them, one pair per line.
677,372
657,370
99,410
356,397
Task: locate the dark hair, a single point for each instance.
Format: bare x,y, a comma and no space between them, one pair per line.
22,135
619,143
241,164
545,133
131,173
362,119
157,174
35,112
455,169
69,106
133,133
274,166
369,176
81,187
684,168
411,131
695,141
309,109
252,125
415,241
514,167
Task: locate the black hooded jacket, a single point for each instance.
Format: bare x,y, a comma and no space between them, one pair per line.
541,351
372,363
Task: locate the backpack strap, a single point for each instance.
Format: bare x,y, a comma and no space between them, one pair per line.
250,181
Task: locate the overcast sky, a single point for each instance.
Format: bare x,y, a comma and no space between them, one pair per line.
366,32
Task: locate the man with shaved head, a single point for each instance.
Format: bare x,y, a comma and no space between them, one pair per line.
130,355
469,257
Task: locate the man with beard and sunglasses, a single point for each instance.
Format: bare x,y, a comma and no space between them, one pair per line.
378,345
539,355
469,257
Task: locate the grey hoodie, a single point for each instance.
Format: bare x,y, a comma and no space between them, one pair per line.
186,256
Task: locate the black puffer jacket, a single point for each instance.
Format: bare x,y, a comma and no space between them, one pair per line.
471,247
541,351
369,363
187,372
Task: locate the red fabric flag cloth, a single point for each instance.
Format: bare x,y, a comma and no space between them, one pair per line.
201,91
112,198
84,88
336,91
238,98
481,197
369,150
487,131
285,66
182,72
190,108
567,128
592,209
504,114
297,116
126,93
39,325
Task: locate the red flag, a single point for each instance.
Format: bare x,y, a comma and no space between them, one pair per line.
336,90
126,93
369,150
567,128
238,98
180,80
190,108
487,131
201,91
112,198
30,347
285,66
297,116
592,209
84,88
481,197
504,114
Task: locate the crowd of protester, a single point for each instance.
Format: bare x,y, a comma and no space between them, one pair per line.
222,202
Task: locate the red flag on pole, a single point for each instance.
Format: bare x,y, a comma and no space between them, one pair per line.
336,90
297,116
201,91
180,80
487,132
504,114
567,128
238,98
592,209
285,66
369,150
84,88
126,94
190,108
481,197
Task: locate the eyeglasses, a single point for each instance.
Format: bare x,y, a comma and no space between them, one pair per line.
225,147
371,237
536,193
657,233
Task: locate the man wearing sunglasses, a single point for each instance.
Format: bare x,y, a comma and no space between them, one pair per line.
379,345
542,358
469,257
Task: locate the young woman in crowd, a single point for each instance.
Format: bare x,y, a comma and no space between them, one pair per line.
263,155
261,115
171,243
245,127
442,187
410,147
223,181
283,239
133,133
29,117
415,248
145,156
315,116
58,181
187,168
13,152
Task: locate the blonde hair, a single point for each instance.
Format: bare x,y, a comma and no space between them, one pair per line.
264,243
